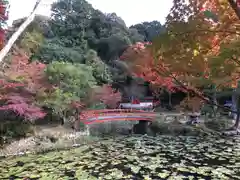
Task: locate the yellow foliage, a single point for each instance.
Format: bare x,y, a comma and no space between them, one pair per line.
195,52
31,42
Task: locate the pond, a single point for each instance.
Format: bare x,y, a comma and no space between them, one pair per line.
133,158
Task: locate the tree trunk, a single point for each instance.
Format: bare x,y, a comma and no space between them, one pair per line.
237,122
170,99
236,125
234,104
215,102
77,121
20,30
234,130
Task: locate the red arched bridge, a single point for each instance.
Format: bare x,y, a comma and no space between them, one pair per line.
100,116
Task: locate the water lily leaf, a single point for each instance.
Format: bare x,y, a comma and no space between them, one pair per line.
190,177
163,175
108,176
153,166
221,159
117,174
34,176
183,169
135,169
146,177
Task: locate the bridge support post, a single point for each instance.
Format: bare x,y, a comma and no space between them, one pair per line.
77,125
141,127
87,130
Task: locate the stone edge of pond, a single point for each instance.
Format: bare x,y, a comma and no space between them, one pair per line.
39,152
53,147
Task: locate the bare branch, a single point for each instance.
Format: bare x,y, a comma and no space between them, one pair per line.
20,30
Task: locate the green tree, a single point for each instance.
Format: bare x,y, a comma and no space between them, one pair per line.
149,30
68,24
54,49
101,71
75,21
76,78
74,84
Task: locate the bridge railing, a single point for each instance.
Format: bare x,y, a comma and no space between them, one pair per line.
99,116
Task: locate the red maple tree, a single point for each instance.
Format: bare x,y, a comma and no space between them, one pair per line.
3,19
20,85
107,95
142,64
31,74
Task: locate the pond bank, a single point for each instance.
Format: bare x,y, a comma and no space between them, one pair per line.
47,138
54,137
133,157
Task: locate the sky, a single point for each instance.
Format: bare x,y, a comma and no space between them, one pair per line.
131,11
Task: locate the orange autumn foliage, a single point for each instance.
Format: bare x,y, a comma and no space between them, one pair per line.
200,48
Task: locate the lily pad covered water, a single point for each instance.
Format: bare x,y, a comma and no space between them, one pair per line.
139,157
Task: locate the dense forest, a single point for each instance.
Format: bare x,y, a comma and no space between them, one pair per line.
82,58
79,47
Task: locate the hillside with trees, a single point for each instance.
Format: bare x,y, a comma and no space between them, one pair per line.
70,61
64,80
79,50
95,37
